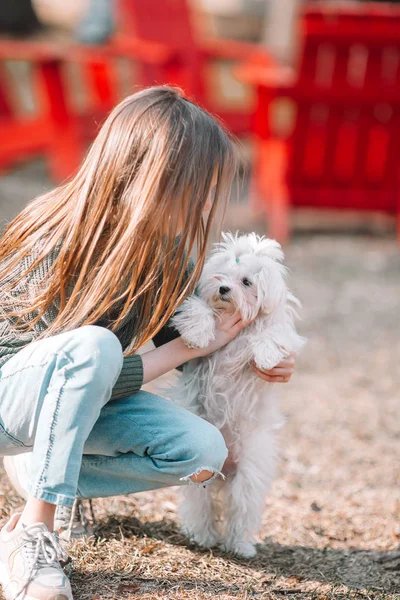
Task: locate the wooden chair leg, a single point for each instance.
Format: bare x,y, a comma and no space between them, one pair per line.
272,182
278,215
65,149
103,83
398,218
5,116
5,105
256,193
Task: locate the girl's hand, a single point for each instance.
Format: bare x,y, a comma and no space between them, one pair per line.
279,374
227,327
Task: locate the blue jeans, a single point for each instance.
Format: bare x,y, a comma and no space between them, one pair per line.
56,402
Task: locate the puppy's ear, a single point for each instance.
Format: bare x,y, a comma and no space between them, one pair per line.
272,290
270,248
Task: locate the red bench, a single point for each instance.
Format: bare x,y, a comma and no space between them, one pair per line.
157,36
58,130
23,136
344,151
175,25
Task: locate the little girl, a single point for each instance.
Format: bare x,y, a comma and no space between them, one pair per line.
90,272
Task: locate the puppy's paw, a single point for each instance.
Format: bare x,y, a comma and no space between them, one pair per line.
268,355
240,548
195,322
206,539
199,339
265,364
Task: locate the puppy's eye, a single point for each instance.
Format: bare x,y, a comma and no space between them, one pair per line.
246,281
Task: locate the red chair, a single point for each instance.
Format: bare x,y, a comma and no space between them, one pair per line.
173,24
24,136
58,130
343,152
164,49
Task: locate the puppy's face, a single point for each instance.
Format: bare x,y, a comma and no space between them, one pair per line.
244,273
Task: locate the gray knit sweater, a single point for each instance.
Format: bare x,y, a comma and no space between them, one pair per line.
13,340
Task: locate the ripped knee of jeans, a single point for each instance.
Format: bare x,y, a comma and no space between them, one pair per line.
203,476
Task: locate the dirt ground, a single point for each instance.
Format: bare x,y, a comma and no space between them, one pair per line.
331,526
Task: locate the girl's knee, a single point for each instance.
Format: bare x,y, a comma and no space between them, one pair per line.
102,344
210,453
96,350
201,476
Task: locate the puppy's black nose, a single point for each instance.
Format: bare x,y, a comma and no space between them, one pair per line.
224,290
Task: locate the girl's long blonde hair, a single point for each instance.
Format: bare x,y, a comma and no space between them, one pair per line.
125,225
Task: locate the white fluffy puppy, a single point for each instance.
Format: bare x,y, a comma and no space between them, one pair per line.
244,273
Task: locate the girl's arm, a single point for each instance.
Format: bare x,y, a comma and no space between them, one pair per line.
174,353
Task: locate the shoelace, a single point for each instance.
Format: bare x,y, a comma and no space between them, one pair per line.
77,515
42,550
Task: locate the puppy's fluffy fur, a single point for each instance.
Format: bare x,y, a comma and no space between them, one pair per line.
244,273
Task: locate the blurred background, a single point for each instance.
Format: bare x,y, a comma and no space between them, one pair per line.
311,90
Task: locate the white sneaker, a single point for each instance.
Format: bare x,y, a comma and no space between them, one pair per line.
29,567
69,522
